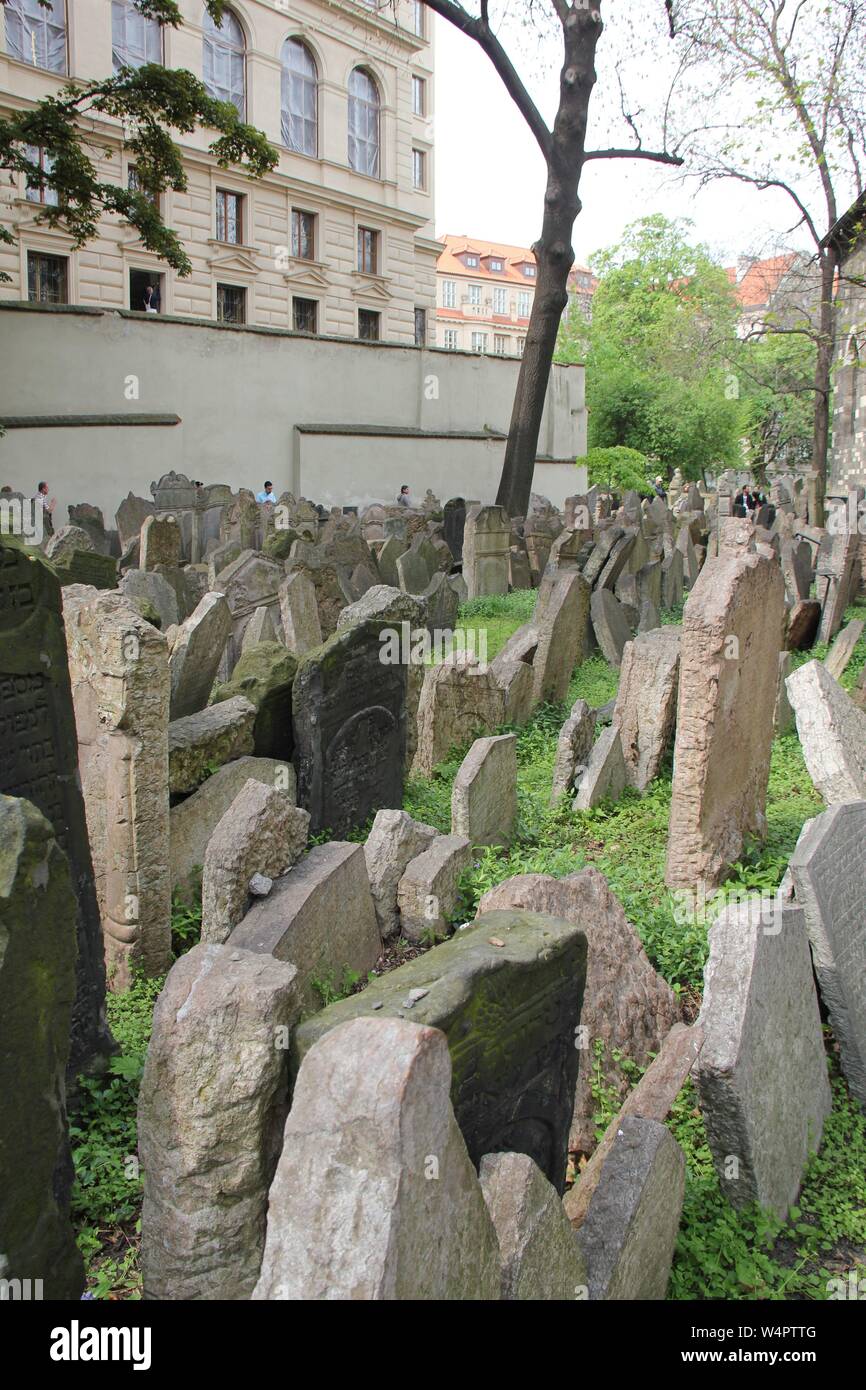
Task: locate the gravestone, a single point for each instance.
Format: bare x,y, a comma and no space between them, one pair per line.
761,1073
842,649
729,661
86,567
646,702
506,991
428,894
604,778
394,840
39,761
610,625
829,872
118,667
454,520
196,652
560,618
391,551
485,551
300,613
161,543
832,733
573,748
210,1114
130,517
264,675
540,1258
412,573
349,715
484,794
154,589
383,1223
319,917
201,742
460,699
37,992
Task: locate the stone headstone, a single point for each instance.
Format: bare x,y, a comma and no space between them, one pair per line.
37,992
560,618
528,989
783,715
86,567
540,1257
829,875
39,761
265,675
263,626
261,832
573,748
349,712
762,1073
842,650
130,517
729,658
210,1113
605,775
199,743
387,606
195,654
413,573
453,524
68,541
519,573
832,733
484,794
300,613
376,1226
672,579
485,551
428,890
161,542
646,702
610,625
394,547
153,588
250,581
319,917
627,1006
118,666
394,839
460,699
803,622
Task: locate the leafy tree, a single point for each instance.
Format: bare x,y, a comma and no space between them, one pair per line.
777,376
151,101
618,470
661,345
781,91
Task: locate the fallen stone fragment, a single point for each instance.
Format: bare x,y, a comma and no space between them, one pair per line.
540,1257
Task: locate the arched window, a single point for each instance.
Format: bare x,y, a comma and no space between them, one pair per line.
363,123
36,35
300,89
224,68
135,40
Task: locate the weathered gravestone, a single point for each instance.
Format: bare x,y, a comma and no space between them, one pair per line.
37,991
161,542
349,713
382,1223
610,625
460,698
485,551
264,675
428,893
484,795
454,520
832,733
200,742
646,702
210,1115
130,517
507,992
573,748
761,1073
300,613
560,619
195,654
394,840
39,761
829,872
729,661
540,1257
118,666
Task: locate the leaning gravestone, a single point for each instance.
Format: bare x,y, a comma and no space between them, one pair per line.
829,872
401,1215
507,992
646,702
729,661
761,1073
560,618
832,733
37,990
196,653
210,1113
349,712
130,517
39,761
573,748
485,551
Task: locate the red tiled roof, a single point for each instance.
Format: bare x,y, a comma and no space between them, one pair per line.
512,257
760,281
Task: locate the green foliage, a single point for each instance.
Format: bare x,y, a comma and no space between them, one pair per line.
153,103
185,923
657,371
330,989
776,377
618,469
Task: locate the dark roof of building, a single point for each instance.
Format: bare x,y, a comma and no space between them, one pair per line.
847,231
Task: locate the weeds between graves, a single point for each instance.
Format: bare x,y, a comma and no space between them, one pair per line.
721,1253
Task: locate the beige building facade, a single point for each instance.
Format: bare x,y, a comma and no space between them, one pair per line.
337,240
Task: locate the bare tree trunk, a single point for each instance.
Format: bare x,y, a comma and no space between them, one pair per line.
554,257
823,381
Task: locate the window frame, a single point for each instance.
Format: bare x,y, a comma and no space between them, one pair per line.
375,319
304,80
419,88
37,155
373,245
35,253
45,19
242,290
296,217
357,141
221,197
310,304
449,294
419,166
211,35
151,27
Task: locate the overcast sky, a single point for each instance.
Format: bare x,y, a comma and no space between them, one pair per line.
490,172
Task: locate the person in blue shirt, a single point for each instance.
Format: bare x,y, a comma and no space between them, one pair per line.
268,495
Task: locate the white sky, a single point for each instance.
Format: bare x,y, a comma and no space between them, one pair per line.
490,172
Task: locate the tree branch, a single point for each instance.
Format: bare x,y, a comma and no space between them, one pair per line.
657,156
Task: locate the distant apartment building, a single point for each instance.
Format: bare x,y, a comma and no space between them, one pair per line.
778,290
337,239
484,295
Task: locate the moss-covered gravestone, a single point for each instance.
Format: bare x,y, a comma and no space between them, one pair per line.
264,675
349,717
39,761
37,990
507,992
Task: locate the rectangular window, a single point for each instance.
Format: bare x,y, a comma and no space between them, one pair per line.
529,271
418,18
303,235
229,217
500,300
521,342
368,251
524,304
419,94
231,304
500,344
305,315
420,327
36,34
47,278
368,325
40,192
496,265
145,291
419,169
472,261
475,295
134,185
449,294
479,342
451,338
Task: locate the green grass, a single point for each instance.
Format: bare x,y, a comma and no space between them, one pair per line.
721,1254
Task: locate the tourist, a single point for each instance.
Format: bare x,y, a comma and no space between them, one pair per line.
403,496
740,503
47,508
268,494
149,302
659,488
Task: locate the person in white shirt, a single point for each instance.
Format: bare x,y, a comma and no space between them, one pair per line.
403,496
267,494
